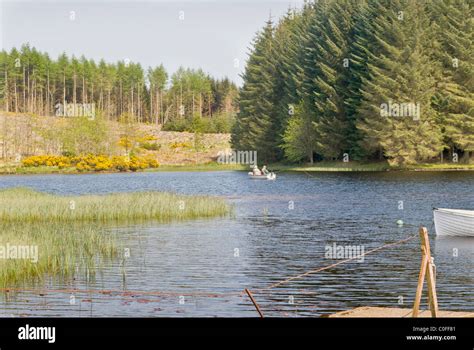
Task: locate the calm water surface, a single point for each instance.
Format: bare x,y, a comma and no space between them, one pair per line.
280,229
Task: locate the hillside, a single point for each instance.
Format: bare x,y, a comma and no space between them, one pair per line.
23,135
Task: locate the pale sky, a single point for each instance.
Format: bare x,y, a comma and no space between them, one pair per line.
212,35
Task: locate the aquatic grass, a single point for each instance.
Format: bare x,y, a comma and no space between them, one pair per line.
70,232
63,250
26,205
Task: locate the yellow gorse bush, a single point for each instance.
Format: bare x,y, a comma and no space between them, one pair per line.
47,160
92,162
175,145
147,138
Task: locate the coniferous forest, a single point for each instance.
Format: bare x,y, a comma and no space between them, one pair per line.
33,82
365,80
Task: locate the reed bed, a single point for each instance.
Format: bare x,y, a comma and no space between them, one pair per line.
62,251
71,233
26,205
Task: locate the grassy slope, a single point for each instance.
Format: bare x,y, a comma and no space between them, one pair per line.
175,148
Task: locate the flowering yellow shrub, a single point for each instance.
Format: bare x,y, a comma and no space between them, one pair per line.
47,160
125,142
175,145
92,162
121,163
151,161
137,164
147,138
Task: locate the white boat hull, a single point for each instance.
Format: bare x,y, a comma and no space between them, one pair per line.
271,176
454,222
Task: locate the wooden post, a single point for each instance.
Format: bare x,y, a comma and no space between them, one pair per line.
254,302
426,271
421,278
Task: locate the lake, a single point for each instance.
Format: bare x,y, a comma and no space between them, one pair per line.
280,229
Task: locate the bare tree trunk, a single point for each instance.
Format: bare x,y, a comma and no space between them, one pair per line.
139,104
181,96
209,111
47,93
53,98
178,105
151,102
16,96
200,104
161,108
121,98
92,93
108,104
132,111
64,90
41,101
33,95
101,103
6,91
74,93
158,106
84,91
24,88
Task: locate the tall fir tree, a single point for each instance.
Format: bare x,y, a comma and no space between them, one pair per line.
298,135
454,22
401,73
254,126
334,73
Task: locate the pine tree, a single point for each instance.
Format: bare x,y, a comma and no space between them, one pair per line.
333,75
361,53
253,130
308,91
455,98
401,73
288,70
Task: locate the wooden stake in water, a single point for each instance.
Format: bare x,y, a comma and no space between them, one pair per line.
427,271
254,302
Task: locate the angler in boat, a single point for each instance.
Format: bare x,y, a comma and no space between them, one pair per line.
263,174
256,171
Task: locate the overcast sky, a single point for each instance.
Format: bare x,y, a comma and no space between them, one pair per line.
212,35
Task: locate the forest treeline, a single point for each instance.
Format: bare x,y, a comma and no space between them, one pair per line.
365,80
32,82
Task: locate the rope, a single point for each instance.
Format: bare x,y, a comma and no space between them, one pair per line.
333,265
202,294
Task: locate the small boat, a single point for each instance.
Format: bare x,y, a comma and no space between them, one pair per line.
270,176
454,222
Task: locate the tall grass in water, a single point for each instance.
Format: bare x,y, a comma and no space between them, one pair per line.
67,229
25,205
63,250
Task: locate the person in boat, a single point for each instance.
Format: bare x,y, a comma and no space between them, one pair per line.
265,170
256,171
